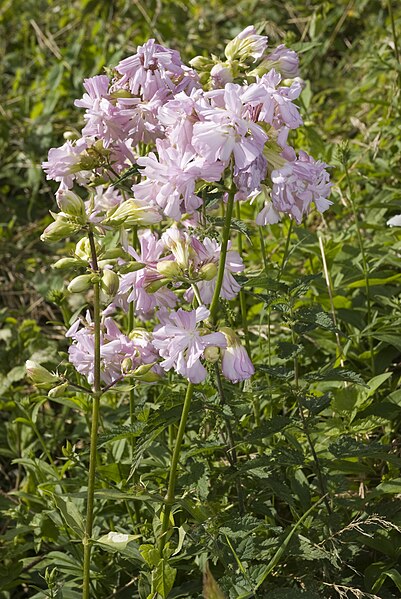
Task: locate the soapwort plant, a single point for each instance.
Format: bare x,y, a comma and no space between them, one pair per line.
150,196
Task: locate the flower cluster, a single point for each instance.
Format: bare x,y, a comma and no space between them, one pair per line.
163,146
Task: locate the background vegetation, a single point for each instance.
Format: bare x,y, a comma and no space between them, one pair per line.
317,431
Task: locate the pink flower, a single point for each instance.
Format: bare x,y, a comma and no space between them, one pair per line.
181,344
299,183
248,180
228,129
115,347
170,179
274,103
63,163
283,59
153,68
134,285
236,365
208,252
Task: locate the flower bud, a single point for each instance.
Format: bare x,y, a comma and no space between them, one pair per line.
110,282
80,284
70,203
39,375
201,63
70,135
221,74
168,268
59,230
83,249
145,373
247,44
131,267
156,285
57,391
126,365
211,353
68,263
208,271
133,212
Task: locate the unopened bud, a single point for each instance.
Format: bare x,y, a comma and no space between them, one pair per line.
39,375
70,203
59,230
70,135
156,285
110,282
80,284
126,365
132,212
208,271
68,263
212,353
131,267
168,268
221,74
57,391
201,63
145,373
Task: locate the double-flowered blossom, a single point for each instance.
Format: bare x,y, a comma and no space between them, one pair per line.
295,186
181,342
164,142
115,347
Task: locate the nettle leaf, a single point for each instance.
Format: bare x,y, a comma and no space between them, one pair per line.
287,350
121,432
273,426
345,447
316,404
278,372
308,318
336,374
302,284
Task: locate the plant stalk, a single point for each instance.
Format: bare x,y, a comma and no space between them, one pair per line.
214,306
94,426
174,465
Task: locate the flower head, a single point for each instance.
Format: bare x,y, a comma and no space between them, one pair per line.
181,344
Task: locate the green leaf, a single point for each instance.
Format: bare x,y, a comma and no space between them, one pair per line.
70,514
163,577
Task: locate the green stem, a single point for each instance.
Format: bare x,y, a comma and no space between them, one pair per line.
174,465
242,299
395,39
214,306
286,250
365,265
94,426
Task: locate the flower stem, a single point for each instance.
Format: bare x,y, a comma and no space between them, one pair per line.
242,299
286,251
174,465
94,426
214,306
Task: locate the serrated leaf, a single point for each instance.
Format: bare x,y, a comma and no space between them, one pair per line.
336,374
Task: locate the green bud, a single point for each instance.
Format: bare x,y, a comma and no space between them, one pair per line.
39,375
168,268
208,271
131,267
212,353
131,212
68,263
201,63
156,285
70,203
126,365
60,229
57,391
145,373
110,282
70,135
80,284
